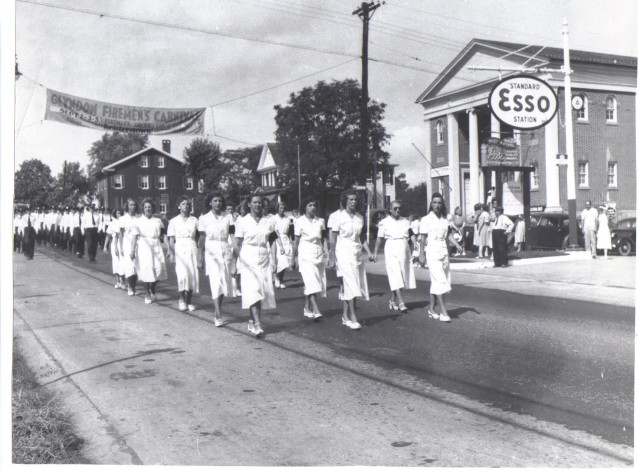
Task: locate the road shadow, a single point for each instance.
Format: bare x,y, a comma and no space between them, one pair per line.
459,311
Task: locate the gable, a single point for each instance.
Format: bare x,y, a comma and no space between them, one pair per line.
134,157
268,157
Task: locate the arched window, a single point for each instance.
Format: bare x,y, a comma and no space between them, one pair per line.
583,113
439,132
612,109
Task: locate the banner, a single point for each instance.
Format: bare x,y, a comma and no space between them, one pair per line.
83,112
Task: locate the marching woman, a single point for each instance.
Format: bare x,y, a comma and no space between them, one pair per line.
214,248
183,251
346,255
251,248
113,241
284,258
310,247
146,250
398,245
434,230
128,231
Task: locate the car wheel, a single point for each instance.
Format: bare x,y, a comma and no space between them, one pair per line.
624,248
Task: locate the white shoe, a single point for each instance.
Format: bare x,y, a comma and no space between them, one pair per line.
308,313
182,306
147,300
191,308
277,283
218,322
251,328
117,286
445,318
258,329
317,315
131,292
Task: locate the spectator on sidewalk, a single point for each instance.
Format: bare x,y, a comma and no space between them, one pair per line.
519,233
398,244
183,251
604,234
456,223
589,225
482,224
501,229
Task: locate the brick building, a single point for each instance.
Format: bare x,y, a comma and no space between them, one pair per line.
460,129
148,173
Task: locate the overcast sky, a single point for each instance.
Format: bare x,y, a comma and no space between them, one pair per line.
171,57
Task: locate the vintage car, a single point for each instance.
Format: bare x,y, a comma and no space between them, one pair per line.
623,236
550,230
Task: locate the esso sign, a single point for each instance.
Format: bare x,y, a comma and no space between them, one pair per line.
523,102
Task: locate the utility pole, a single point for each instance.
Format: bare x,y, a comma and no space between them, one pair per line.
299,186
64,181
568,119
365,12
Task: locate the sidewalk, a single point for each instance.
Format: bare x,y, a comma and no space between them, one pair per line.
573,276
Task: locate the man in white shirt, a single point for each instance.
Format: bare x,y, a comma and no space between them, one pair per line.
90,231
589,225
501,228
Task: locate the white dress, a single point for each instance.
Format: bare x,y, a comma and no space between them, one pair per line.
331,221
217,252
256,279
437,252
349,256
150,262
397,255
310,255
603,236
127,230
186,251
283,260
116,259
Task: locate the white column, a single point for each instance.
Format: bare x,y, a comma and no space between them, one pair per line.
453,147
429,162
495,132
552,178
474,158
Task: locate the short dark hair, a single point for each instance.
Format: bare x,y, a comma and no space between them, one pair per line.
209,198
444,206
306,201
345,195
149,200
180,199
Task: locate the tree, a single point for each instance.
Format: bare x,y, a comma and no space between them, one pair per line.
414,199
33,183
111,148
241,175
70,185
324,121
202,158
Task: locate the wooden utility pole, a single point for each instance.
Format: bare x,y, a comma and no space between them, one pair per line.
365,12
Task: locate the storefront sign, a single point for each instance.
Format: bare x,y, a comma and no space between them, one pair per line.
523,102
83,112
500,152
439,172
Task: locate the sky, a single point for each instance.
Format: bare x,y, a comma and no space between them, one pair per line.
213,53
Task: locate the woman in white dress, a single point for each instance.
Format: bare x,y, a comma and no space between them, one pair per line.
398,245
183,251
112,242
310,246
603,236
256,262
147,250
283,246
128,230
434,230
346,255
215,250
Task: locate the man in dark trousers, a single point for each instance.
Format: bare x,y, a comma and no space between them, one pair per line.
90,231
502,227
77,234
28,233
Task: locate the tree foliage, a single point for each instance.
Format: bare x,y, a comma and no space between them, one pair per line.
241,175
33,183
414,199
70,185
324,121
201,156
111,148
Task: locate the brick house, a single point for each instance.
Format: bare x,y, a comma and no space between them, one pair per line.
459,126
148,173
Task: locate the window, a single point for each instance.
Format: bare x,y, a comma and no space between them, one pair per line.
161,182
535,178
388,176
441,185
612,175
583,174
143,181
160,161
201,186
144,161
612,110
188,183
118,182
439,133
583,113
163,203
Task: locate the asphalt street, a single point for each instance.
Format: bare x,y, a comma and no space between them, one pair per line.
507,358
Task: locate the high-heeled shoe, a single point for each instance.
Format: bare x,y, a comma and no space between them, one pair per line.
403,308
393,305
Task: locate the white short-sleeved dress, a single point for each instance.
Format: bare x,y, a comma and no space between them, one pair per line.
217,252
349,255
311,262
116,259
603,236
256,279
283,260
397,255
151,265
186,251
331,221
437,228
128,230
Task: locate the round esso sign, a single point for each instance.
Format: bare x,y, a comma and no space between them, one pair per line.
523,102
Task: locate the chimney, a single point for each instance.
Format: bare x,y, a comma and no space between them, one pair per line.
166,145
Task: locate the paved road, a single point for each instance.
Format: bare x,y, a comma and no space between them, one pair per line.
542,371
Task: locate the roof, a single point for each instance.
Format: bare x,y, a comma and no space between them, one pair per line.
148,148
270,149
518,54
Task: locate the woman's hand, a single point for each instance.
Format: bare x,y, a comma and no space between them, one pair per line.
132,255
117,252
